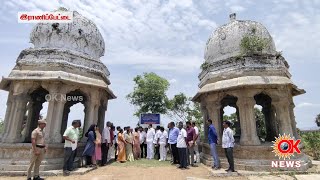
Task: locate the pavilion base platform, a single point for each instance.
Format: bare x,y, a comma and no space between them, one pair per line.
15,158
253,158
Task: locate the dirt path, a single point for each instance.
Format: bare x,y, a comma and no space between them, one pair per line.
140,170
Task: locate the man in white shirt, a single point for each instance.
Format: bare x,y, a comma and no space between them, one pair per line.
196,148
182,146
228,144
149,139
155,142
162,141
71,137
106,143
143,145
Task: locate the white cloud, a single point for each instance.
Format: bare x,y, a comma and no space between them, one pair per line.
171,81
146,60
237,8
164,31
296,29
308,105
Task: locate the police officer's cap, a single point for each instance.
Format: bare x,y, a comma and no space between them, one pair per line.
42,121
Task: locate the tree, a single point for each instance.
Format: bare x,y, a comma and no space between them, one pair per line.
149,94
195,113
260,122
318,120
181,108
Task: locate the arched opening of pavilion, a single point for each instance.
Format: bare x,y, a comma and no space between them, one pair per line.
74,107
34,107
230,103
267,127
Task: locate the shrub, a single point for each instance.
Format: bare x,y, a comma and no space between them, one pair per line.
204,66
312,143
252,44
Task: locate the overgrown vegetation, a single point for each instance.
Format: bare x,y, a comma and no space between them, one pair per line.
204,66
312,143
252,44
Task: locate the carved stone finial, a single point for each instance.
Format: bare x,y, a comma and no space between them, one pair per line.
232,16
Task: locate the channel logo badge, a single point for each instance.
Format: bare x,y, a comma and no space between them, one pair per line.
284,147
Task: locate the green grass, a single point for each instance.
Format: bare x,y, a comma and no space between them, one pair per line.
142,163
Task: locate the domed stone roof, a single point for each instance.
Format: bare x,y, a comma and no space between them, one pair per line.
225,41
82,35
67,52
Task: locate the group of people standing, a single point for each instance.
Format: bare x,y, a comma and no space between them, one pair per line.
184,143
96,149
129,145
153,143
141,143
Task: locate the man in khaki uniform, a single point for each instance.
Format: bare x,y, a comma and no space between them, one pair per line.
38,150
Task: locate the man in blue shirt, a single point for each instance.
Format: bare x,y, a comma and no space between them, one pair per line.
213,140
172,141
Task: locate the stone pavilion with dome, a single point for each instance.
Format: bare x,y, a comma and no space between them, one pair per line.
242,69
62,66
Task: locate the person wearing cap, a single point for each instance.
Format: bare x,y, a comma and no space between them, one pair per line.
39,149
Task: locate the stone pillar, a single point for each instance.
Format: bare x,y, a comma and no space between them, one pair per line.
8,114
15,118
293,120
32,121
248,123
91,112
56,99
214,114
65,116
28,122
274,121
283,116
102,114
205,116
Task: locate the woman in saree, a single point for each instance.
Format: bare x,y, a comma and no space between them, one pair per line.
129,142
97,151
136,144
121,147
90,146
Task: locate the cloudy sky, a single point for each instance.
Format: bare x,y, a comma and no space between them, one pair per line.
168,37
